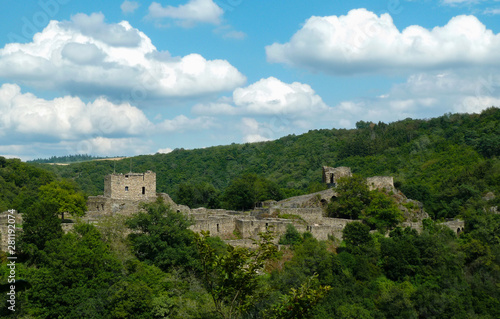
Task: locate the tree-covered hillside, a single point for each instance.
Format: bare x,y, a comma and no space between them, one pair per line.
66,159
444,162
164,270
19,183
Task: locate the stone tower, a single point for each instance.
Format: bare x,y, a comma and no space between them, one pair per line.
332,174
132,186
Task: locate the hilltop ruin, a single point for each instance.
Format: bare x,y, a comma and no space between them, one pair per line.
123,194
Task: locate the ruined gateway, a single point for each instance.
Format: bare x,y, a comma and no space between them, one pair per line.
124,192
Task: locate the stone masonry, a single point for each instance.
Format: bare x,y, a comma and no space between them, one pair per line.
123,194
134,186
380,182
332,174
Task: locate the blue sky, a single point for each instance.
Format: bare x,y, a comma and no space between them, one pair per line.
127,78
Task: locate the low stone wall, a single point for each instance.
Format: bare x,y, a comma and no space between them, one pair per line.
310,215
380,182
456,225
251,227
321,232
313,200
219,225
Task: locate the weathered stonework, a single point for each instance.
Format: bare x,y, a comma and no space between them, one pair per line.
380,182
332,174
133,186
456,225
305,212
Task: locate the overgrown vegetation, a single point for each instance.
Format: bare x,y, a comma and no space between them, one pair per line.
66,159
446,162
152,266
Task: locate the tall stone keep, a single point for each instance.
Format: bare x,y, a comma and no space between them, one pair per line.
132,186
332,174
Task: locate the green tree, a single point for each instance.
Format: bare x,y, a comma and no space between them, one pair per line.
73,276
382,213
299,302
162,237
244,191
353,197
356,234
41,224
291,236
197,195
233,279
65,196
400,254
41,221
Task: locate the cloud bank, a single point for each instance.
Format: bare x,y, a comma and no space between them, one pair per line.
362,42
88,57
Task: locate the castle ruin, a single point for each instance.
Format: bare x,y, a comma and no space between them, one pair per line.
134,186
123,194
332,174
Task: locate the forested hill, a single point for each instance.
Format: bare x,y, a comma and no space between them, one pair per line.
447,162
66,159
19,183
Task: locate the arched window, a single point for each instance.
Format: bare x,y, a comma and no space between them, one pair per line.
126,188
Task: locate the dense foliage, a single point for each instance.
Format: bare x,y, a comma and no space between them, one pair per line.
151,265
444,162
66,159
19,183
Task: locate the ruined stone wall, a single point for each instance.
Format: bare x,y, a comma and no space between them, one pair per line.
310,215
251,227
218,225
331,226
456,225
322,232
332,174
380,182
314,200
134,186
100,206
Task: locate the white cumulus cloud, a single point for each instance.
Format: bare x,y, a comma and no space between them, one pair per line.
86,56
362,42
27,117
194,11
267,97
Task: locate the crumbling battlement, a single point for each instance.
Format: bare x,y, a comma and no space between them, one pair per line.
132,186
305,212
332,174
